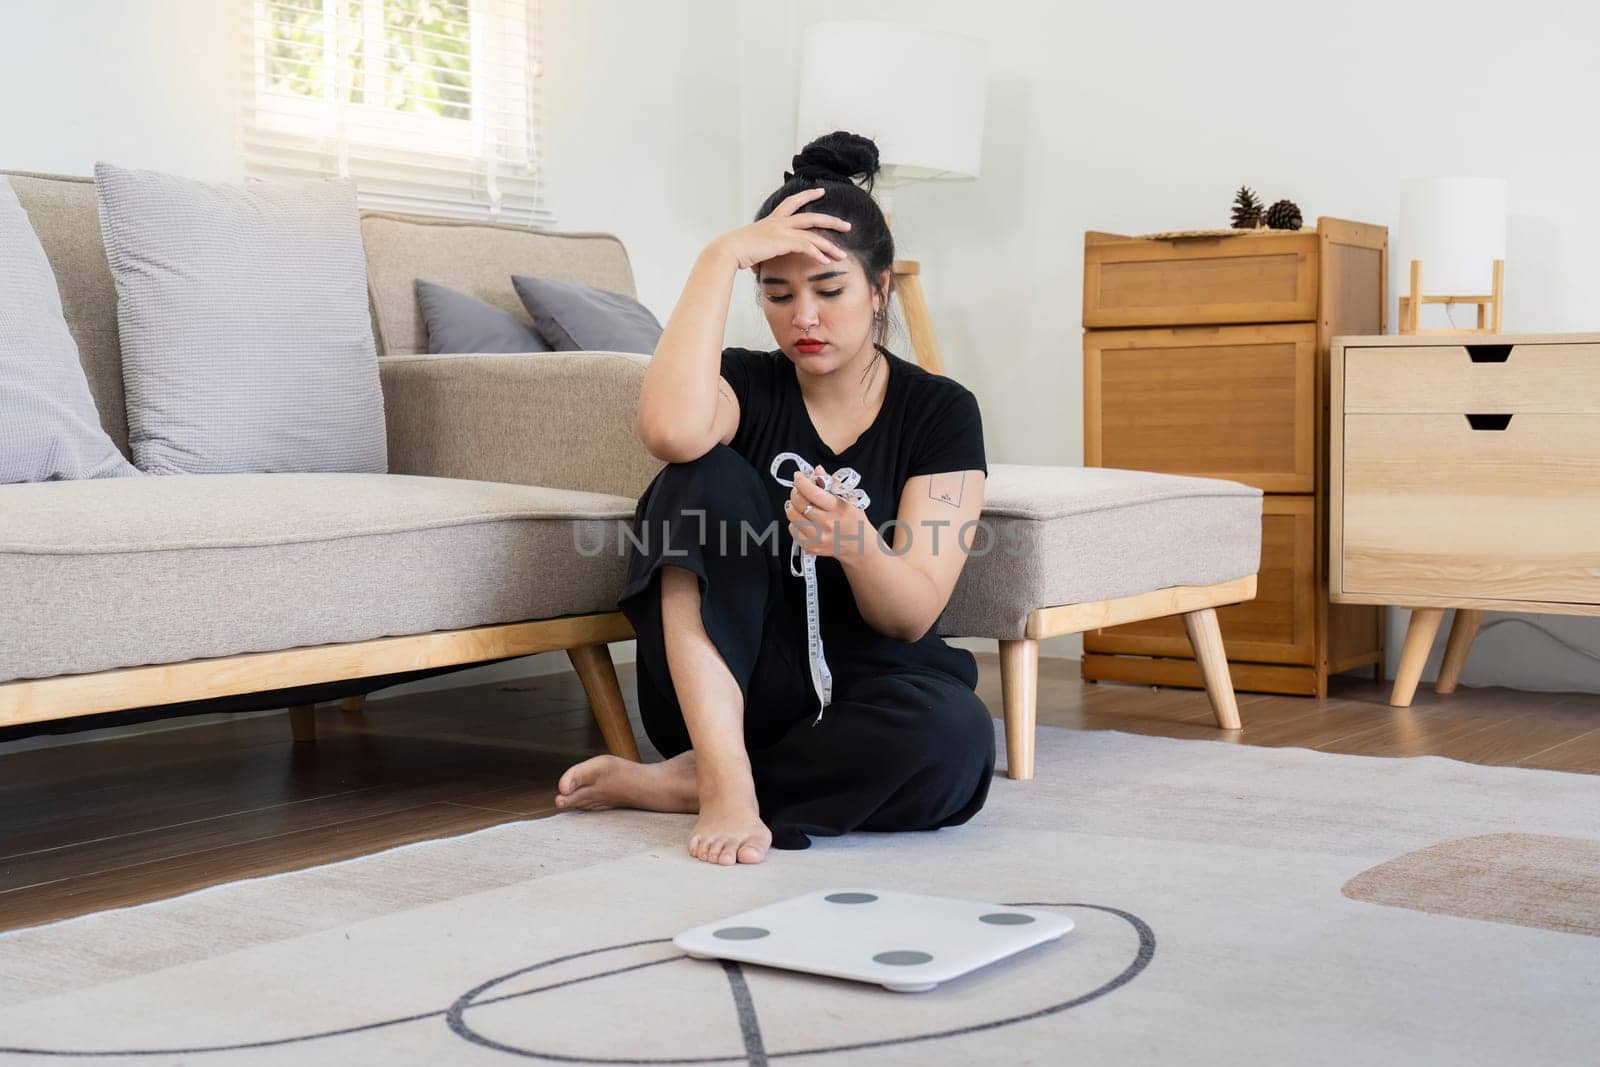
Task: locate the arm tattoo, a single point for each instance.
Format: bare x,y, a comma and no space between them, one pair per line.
947,488
723,389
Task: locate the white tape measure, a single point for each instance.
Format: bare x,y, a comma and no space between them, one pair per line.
841,483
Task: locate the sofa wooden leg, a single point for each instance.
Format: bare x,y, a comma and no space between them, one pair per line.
356,703
1424,627
1463,630
1019,691
599,677
303,722
1206,637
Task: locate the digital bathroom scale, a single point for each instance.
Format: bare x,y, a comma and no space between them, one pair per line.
905,942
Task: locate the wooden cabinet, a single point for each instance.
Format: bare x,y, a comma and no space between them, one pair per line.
1209,356
1465,473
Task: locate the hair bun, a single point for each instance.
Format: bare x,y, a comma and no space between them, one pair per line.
838,157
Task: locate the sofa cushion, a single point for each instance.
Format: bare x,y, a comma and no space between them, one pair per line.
475,258
246,342
119,572
581,318
49,428
1071,535
65,218
457,323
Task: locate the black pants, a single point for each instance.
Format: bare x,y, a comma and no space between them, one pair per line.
909,749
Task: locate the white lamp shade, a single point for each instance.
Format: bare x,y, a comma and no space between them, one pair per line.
918,93
1457,228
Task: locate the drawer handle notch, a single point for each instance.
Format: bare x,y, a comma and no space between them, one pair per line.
1489,422
1489,353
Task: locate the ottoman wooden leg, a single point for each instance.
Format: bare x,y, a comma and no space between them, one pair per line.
1019,689
357,703
1206,637
1420,633
599,678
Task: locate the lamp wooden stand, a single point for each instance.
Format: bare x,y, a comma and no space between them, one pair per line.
1488,306
908,286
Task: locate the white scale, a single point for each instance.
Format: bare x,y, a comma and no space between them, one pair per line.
905,942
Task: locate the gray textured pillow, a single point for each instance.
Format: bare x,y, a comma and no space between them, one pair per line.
49,428
246,339
459,323
579,318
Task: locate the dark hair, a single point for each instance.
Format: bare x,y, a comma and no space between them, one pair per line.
835,161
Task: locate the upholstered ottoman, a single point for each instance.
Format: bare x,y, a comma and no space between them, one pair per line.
1068,549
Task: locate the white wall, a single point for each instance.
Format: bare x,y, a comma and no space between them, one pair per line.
141,83
1140,117
642,127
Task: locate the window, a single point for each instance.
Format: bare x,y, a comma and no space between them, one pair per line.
431,106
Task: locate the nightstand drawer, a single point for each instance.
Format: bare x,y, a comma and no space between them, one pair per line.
1434,507
1233,402
1450,379
1245,278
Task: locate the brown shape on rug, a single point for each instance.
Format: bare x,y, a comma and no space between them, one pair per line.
1524,879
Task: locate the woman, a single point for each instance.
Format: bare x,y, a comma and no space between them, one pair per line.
730,686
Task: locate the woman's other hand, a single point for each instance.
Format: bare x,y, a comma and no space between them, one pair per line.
786,230
832,526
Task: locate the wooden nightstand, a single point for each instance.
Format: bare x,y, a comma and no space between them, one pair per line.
1464,473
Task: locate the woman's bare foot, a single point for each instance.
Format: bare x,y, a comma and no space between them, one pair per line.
613,782
729,829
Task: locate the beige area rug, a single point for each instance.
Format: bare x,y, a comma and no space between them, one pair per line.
1217,892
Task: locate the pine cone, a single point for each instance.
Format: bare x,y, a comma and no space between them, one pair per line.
1246,210
1284,215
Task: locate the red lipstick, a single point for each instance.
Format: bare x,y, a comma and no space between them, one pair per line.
810,347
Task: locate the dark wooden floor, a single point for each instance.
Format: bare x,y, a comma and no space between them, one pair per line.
118,822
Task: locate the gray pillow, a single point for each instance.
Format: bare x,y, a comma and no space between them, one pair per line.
579,318
246,339
459,323
49,428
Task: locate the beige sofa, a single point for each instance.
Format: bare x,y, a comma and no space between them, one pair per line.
496,533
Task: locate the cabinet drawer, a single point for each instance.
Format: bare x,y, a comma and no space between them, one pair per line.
1246,278
1224,402
1432,507
1278,626
1450,379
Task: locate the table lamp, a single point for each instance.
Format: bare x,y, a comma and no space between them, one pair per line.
920,95
1453,230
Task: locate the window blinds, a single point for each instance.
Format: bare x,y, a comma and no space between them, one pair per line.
431,106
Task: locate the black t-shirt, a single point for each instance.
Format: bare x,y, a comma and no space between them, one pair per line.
928,424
